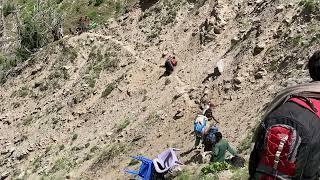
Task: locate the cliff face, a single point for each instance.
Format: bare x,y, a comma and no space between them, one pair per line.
79,107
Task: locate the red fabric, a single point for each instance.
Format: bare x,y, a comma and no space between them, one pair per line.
315,102
174,62
273,139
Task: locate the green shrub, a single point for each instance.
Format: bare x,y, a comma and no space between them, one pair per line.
8,8
309,5
215,168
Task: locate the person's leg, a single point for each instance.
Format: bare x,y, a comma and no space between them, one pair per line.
197,141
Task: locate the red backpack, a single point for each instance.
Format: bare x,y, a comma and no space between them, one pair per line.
287,142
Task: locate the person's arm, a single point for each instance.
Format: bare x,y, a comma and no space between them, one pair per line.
215,152
232,151
215,118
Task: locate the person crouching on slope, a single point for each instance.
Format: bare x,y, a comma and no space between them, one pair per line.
204,132
220,149
169,65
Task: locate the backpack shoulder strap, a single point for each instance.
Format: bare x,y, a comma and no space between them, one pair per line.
309,103
305,90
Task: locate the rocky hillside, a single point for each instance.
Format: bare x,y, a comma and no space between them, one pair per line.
79,107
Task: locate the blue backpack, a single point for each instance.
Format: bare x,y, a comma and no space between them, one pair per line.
211,137
198,127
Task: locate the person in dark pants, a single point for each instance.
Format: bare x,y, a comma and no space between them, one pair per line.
169,65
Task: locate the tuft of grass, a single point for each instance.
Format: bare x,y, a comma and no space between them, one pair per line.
133,162
8,8
107,155
309,5
167,82
28,120
23,92
92,14
74,137
98,2
36,164
61,147
110,87
62,164
122,125
48,149
240,174
246,142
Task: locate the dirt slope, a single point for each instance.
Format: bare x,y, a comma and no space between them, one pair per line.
81,106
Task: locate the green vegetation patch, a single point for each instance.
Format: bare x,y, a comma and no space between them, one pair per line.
8,8
122,125
309,5
107,155
108,90
64,164
240,174
215,168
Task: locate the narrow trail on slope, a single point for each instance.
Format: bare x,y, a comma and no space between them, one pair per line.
182,86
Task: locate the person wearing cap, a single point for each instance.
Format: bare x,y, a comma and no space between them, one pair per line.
209,113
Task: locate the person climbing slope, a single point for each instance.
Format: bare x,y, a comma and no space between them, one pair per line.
169,65
204,132
208,112
220,149
287,141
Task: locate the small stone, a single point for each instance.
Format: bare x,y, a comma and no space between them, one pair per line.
242,30
227,87
258,49
4,175
260,74
237,87
279,8
238,80
300,64
217,30
108,134
235,40
220,66
205,158
259,1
